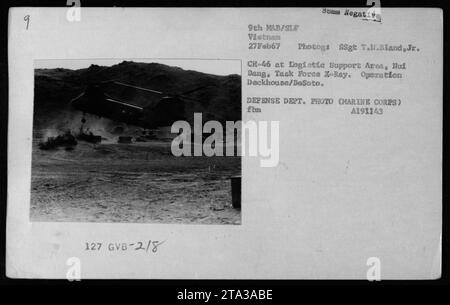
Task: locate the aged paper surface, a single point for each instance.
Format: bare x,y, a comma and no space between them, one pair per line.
350,187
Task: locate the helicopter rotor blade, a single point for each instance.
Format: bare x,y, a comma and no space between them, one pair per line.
124,104
109,81
194,90
137,87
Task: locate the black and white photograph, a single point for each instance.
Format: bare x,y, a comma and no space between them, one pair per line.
102,141
225,143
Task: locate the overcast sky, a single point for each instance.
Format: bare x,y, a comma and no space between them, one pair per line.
212,66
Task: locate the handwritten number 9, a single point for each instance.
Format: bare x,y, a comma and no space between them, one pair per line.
27,19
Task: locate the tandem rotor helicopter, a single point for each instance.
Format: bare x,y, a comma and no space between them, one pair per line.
166,109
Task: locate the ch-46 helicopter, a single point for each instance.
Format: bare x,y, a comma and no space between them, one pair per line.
162,111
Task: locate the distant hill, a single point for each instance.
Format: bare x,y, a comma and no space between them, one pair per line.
220,100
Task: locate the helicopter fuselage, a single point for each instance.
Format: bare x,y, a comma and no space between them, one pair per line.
94,101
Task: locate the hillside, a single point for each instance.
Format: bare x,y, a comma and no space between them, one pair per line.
220,100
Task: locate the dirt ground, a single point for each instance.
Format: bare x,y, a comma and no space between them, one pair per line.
138,183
